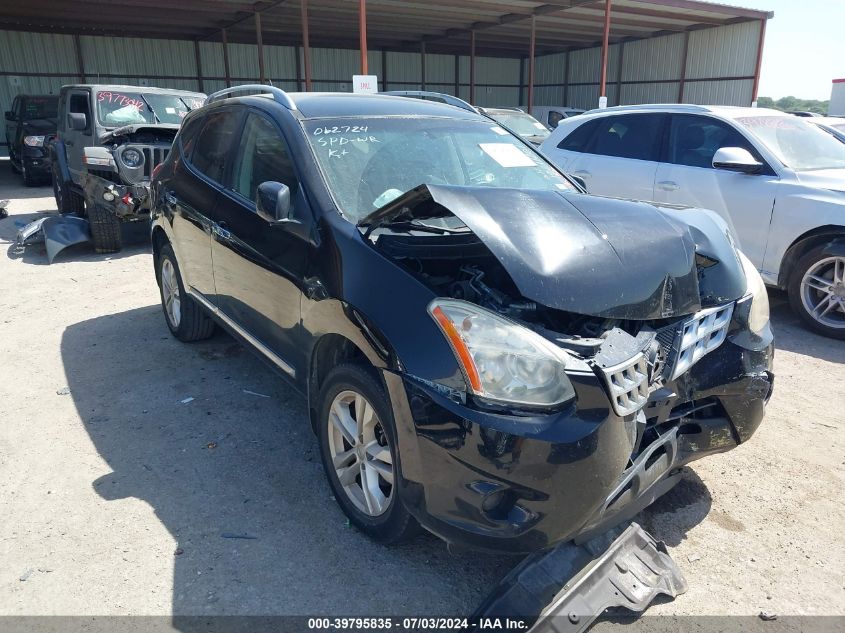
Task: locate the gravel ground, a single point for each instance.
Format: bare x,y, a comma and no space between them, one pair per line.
122,497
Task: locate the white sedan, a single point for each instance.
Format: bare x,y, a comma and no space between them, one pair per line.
777,179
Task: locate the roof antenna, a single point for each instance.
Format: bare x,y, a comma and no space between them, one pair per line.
271,83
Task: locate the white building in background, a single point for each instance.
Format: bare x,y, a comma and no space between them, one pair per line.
837,98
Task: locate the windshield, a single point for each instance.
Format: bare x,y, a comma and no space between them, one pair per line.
127,108
370,161
40,108
797,143
521,123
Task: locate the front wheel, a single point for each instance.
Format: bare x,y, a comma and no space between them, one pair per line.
105,229
360,455
67,200
817,292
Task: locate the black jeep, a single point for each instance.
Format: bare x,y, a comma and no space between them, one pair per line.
110,139
30,125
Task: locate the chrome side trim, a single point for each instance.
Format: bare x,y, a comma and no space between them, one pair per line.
261,347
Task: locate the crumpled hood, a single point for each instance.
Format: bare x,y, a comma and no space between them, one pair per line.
831,179
127,130
576,252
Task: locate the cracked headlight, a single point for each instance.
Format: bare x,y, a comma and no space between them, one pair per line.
132,158
758,316
502,360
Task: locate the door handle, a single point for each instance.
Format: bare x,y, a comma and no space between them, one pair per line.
171,199
668,185
582,174
69,143
220,230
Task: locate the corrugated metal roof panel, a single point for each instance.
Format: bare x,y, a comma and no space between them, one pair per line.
655,58
725,51
649,93
37,52
736,92
550,69
137,56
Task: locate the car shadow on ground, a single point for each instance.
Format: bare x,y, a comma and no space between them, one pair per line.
793,336
235,477
221,450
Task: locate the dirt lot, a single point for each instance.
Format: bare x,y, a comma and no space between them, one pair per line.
122,498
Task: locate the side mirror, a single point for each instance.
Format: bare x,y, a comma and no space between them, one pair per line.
10,116
736,159
272,202
77,121
580,181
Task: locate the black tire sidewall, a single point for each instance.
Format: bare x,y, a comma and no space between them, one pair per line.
389,526
807,261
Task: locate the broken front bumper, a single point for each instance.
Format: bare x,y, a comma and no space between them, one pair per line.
127,202
525,483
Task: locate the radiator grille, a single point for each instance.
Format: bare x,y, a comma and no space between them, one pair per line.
153,156
628,385
700,335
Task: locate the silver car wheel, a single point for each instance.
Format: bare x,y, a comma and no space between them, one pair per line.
170,293
823,292
360,453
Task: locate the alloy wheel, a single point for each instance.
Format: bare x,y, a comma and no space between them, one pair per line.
170,293
360,453
823,292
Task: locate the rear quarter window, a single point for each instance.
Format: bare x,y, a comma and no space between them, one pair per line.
579,139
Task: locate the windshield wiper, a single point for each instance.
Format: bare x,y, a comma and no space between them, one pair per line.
155,116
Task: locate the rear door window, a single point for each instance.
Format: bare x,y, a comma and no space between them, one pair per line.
635,136
215,141
693,140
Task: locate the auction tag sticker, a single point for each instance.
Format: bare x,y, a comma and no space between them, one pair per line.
507,155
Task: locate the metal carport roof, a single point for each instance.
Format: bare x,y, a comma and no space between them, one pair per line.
501,27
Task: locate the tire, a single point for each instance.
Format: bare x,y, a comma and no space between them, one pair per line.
67,200
28,179
345,386
192,323
821,302
105,229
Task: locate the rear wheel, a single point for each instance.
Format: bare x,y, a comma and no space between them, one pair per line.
185,318
360,455
105,229
817,292
67,200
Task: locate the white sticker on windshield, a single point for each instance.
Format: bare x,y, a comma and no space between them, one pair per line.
170,110
500,131
507,155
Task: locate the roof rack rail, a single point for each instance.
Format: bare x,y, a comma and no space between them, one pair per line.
279,95
442,96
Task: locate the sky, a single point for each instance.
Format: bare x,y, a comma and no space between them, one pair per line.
804,49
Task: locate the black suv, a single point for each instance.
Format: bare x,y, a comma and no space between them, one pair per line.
30,127
485,349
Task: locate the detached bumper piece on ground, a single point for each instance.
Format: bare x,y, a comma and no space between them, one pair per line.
565,589
55,232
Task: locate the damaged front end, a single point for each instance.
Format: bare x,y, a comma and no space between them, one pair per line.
635,354
118,171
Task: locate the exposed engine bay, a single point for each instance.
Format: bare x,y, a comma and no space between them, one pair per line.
640,341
